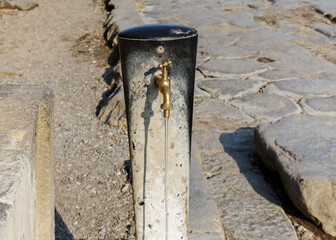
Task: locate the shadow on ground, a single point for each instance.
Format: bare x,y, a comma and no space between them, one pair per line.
240,146
62,231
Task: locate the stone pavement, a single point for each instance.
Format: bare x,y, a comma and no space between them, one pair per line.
260,62
18,4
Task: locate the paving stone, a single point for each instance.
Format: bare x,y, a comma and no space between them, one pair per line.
245,202
266,107
302,87
327,30
208,37
228,88
231,68
207,140
286,3
205,236
198,76
269,44
242,20
203,19
329,75
320,105
257,5
18,4
289,66
211,141
214,113
324,7
303,149
218,50
201,93
203,216
264,33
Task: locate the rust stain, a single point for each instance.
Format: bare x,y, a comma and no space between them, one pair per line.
11,74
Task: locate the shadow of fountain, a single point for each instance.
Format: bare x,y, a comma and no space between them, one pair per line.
240,146
112,78
62,232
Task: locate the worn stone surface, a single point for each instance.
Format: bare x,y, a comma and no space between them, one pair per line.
325,7
320,105
266,107
123,17
203,216
229,52
198,93
231,68
18,4
302,87
289,66
247,206
205,236
329,75
242,20
214,113
302,149
229,88
286,3
328,30
26,146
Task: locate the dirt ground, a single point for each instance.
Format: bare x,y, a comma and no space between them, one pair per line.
59,44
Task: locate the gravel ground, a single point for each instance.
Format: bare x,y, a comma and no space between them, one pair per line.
60,44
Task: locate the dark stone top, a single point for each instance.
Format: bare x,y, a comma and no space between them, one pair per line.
158,32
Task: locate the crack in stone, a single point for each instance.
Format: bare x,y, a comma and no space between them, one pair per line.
287,153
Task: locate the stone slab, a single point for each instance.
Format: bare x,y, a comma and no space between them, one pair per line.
329,75
228,88
26,162
198,93
290,66
205,236
320,105
286,3
324,7
245,203
242,20
18,4
214,113
229,52
325,29
231,68
266,107
302,149
123,17
302,87
203,217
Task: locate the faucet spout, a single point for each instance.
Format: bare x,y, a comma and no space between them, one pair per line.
163,83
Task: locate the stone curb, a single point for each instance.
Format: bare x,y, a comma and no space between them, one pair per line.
205,224
26,163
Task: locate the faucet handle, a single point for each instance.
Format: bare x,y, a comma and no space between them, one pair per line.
165,64
164,69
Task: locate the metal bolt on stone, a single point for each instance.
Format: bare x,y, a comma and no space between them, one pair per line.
158,70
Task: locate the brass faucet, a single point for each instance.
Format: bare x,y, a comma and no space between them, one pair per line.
163,82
